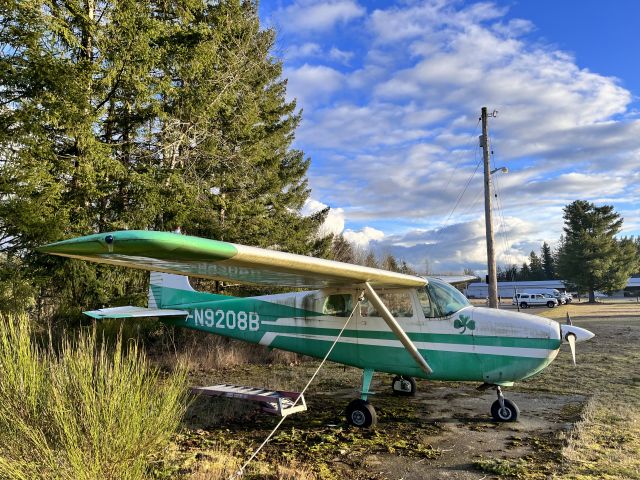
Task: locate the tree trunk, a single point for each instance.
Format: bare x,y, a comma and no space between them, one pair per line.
592,296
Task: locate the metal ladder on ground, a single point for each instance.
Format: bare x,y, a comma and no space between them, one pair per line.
275,402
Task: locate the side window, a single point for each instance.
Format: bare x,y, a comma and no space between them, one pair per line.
425,302
338,305
399,304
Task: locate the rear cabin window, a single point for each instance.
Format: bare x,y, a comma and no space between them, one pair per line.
398,303
337,305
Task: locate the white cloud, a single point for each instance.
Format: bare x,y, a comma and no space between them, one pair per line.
341,56
450,249
311,83
393,133
364,237
314,15
333,224
308,49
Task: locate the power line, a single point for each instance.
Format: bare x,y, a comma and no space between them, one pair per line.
463,192
455,168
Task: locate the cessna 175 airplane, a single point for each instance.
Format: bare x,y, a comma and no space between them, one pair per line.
405,325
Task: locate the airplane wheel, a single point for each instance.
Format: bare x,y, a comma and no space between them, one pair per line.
509,413
404,386
361,413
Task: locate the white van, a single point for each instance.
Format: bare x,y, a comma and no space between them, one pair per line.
527,299
561,297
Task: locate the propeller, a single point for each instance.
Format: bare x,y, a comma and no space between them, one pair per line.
571,338
572,334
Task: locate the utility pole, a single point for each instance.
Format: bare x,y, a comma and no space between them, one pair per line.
492,286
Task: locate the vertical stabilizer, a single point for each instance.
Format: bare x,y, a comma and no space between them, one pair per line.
161,286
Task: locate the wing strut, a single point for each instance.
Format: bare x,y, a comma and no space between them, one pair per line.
396,328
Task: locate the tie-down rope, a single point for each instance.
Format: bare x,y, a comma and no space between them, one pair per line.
240,472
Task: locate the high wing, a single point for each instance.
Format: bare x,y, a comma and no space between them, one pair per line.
200,257
456,279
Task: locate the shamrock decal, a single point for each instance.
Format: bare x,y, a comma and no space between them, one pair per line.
464,322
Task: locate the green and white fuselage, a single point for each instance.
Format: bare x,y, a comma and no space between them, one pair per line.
475,344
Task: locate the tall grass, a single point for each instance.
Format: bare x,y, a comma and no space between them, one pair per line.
84,410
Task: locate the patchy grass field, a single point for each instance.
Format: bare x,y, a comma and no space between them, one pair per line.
576,422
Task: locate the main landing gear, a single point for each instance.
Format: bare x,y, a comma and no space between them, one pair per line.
404,386
360,413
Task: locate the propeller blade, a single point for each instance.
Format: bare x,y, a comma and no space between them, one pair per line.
571,338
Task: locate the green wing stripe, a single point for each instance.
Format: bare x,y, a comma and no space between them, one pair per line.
200,257
142,243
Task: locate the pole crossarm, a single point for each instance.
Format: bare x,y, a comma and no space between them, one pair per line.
395,327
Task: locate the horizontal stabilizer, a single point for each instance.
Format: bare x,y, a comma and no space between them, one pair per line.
135,312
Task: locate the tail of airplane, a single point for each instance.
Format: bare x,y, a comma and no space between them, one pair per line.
163,288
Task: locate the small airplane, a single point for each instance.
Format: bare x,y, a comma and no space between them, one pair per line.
405,325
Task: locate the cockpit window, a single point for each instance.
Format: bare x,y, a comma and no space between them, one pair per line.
444,299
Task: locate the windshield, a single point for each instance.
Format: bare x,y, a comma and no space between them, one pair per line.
447,299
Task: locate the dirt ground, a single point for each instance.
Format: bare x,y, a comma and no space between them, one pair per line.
445,431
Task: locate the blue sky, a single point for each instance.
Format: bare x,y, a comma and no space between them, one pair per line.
391,94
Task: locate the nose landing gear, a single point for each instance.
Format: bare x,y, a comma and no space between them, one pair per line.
504,410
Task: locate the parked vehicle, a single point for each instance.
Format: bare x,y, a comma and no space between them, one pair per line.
561,297
525,300
566,297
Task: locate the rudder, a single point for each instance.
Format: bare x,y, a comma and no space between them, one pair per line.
159,282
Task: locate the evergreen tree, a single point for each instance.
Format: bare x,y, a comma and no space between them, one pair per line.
150,115
548,263
406,269
370,260
342,250
591,257
390,263
525,272
536,267
512,273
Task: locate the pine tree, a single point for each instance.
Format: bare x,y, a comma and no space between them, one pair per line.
230,129
548,262
342,250
390,263
592,258
536,267
525,272
370,260
406,269
149,115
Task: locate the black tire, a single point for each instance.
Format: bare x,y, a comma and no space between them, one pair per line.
361,414
551,304
524,305
509,413
407,382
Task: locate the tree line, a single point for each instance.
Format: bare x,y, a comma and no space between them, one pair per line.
589,254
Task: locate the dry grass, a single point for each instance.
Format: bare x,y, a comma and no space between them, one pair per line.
605,443
219,462
205,353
